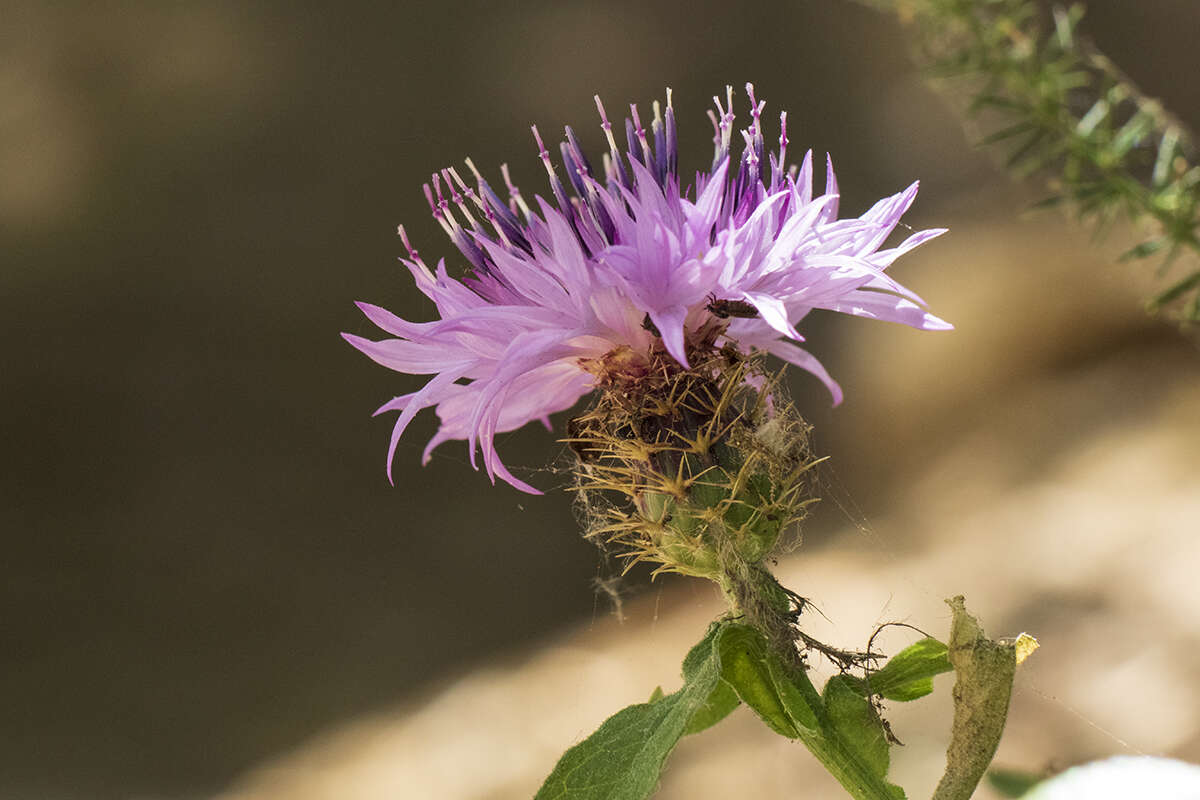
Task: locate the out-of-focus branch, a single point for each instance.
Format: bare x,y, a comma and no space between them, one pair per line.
1065,115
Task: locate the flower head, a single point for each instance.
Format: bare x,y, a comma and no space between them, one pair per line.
626,268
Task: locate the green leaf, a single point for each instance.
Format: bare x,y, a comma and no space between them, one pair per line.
717,707
1006,133
656,695
908,674
1167,149
800,699
1144,249
856,724
1132,133
745,665
1048,202
985,100
1177,290
1012,782
842,731
1095,115
1192,314
623,758
850,742
1024,160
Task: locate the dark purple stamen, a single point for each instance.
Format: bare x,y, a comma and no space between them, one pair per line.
510,224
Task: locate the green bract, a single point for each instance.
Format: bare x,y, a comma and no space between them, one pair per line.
698,470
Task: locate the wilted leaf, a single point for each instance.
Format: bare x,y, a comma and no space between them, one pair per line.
985,671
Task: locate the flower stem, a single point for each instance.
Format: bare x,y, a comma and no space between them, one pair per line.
754,594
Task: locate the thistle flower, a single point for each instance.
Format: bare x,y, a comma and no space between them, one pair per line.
626,269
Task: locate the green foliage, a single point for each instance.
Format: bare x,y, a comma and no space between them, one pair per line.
623,758
909,673
747,666
1067,115
857,724
736,663
717,707
1011,782
841,728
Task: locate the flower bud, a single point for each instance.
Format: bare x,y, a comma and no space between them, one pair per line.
700,470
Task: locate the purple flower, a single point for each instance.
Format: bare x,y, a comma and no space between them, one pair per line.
626,261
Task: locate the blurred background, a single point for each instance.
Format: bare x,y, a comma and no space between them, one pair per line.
204,567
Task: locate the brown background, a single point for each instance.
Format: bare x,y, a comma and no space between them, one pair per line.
203,564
